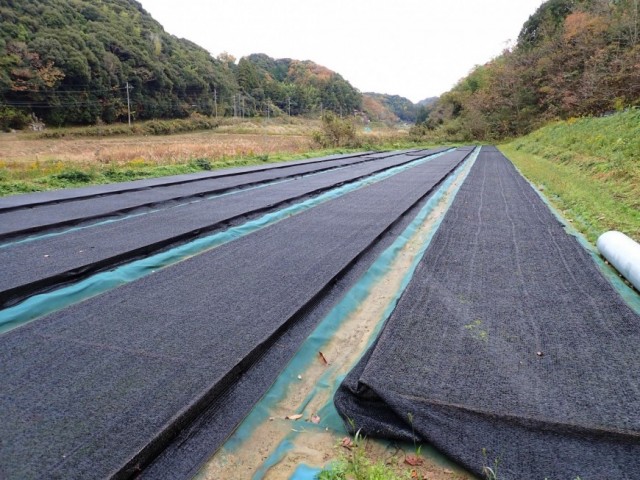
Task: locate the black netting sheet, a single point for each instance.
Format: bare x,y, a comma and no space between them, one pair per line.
51,261
507,345
101,387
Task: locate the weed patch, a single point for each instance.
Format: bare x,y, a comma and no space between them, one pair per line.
74,176
356,465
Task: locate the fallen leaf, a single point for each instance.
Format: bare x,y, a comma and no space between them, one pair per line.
414,474
347,443
315,418
323,358
413,460
297,416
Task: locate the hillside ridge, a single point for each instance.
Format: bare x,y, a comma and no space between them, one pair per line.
74,62
573,58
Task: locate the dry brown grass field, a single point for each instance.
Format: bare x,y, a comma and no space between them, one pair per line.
73,156
166,149
227,141
242,138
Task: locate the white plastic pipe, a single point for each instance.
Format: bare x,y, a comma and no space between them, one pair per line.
623,253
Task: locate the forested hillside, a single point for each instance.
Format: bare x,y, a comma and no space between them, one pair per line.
572,58
294,86
69,62
383,107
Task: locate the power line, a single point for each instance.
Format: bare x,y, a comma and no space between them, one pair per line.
56,92
187,91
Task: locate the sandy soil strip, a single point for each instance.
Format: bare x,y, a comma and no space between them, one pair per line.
302,441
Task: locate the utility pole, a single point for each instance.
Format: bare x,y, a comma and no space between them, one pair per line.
215,100
289,103
128,104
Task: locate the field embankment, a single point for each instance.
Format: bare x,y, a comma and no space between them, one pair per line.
589,168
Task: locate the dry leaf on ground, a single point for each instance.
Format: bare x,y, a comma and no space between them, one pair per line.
413,460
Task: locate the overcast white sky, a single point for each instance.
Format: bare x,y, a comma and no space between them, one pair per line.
413,48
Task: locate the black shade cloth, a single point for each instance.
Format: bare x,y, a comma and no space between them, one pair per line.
91,204
102,387
508,344
36,266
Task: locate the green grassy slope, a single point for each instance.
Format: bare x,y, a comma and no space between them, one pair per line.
589,168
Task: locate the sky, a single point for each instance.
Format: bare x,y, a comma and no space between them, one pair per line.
413,48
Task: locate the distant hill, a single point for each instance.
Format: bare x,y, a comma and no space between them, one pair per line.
69,62
427,101
300,87
573,58
389,108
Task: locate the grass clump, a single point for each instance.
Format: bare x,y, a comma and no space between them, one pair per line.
74,176
202,164
357,466
364,470
589,168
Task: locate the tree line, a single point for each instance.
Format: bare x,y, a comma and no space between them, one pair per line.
572,58
74,62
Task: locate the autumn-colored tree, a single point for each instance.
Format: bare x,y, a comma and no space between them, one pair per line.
573,57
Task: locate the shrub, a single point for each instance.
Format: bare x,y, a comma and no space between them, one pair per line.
336,132
12,118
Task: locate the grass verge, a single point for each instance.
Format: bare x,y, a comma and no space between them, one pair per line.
589,169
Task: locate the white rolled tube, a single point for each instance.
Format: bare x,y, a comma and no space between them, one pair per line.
623,253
